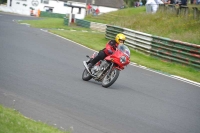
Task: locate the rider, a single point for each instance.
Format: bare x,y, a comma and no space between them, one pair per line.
108,50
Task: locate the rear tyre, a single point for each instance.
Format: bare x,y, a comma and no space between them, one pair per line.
108,80
86,75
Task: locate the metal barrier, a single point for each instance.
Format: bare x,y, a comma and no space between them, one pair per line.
112,31
98,26
52,15
66,21
138,40
83,23
176,51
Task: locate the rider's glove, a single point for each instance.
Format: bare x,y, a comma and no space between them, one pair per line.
110,51
114,47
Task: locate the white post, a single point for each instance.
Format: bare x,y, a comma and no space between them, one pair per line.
70,18
8,3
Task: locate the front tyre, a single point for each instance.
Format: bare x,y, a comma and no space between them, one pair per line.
108,80
86,75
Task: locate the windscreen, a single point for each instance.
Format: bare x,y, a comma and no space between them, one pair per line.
124,49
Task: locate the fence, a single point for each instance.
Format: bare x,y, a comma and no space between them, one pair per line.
52,15
176,51
66,20
83,23
165,48
176,9
98,26
138,40
196,13
92,25
111,31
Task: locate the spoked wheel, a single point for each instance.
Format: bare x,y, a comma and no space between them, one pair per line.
86,75
111,78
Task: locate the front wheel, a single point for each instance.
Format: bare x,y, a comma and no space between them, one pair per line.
108,80
86,75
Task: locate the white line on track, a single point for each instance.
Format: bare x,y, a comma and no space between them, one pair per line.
171,76
139,66
25,24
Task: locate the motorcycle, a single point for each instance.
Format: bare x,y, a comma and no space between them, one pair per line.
107,70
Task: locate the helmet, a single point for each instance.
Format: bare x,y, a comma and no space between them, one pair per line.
120,37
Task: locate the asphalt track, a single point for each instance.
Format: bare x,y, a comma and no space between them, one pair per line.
40,75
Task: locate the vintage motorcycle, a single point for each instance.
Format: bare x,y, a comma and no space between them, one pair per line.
107,70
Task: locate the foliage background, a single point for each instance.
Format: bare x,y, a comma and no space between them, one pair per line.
3,1
130,3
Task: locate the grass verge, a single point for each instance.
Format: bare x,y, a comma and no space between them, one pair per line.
12,121
97,41
164,24
52,23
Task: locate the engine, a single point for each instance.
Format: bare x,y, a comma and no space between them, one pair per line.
98,70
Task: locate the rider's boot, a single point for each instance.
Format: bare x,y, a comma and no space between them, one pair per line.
90,66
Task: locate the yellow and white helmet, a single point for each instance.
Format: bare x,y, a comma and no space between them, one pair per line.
120,38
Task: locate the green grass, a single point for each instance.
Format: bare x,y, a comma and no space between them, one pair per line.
94,40
12,121
53,23
160,24
114,17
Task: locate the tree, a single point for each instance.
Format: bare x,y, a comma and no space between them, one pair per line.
3,1
130,3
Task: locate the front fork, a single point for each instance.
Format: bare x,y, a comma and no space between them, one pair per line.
109,71
111,67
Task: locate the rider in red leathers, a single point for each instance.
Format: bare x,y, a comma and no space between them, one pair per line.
108,50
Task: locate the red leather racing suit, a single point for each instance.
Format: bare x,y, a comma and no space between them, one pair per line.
110,47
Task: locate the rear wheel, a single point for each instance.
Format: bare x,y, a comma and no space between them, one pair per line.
108,80
86,75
